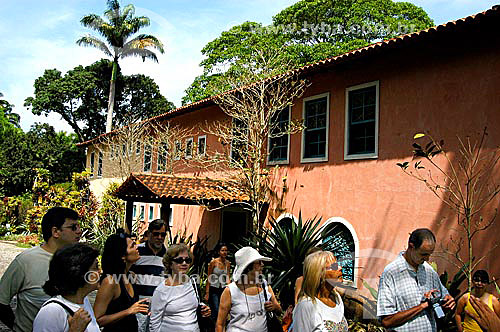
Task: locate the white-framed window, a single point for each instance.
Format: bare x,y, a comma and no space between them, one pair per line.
202,145
141,212
92,164
177,150
344,244
162,157
134,211
189,148
278,144
361,124
99,165
151,212
137,148
316,111
147,157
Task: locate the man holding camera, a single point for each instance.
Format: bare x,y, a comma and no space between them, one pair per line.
410,294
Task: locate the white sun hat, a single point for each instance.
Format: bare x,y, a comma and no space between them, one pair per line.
244,257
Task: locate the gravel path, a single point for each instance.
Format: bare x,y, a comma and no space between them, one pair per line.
8,251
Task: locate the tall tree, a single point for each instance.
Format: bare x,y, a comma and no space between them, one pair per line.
118,26
80,97
7,109
306,32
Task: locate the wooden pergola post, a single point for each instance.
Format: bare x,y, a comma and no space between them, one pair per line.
165,212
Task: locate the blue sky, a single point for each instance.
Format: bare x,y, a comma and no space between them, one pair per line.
38,35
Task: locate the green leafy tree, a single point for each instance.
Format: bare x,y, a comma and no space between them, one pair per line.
55,151
15,168
80,97
42,146
65,95
306,32
118,26
7,109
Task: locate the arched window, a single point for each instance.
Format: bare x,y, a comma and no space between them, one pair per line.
339,233
286,219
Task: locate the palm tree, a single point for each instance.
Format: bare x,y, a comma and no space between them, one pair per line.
117,29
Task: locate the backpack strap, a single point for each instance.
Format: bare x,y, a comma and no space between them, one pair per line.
68,309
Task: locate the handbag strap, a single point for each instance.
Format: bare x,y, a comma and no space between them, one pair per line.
195,290
68,309
264,288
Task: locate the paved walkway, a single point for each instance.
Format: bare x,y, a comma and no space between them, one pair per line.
9,251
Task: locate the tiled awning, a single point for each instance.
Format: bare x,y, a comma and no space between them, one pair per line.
142,187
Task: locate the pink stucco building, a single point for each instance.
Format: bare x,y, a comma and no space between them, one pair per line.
363,109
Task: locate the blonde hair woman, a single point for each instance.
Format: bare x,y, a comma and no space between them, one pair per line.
320,307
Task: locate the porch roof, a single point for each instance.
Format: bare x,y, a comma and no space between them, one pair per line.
147,187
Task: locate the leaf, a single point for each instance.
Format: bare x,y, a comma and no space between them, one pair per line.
372,290
419,135
434,266
403,165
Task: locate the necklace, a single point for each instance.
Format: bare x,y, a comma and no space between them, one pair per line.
260,311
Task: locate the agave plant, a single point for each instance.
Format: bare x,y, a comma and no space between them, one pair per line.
287,244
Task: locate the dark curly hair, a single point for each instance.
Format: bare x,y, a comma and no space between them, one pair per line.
68,267
114,249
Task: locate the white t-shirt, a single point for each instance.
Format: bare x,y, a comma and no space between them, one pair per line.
54,318
173,308
318,317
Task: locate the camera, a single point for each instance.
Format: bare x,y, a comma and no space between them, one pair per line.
435,304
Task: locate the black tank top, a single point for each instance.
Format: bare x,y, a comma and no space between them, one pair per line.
123,302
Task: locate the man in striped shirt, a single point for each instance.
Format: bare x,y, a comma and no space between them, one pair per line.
149,268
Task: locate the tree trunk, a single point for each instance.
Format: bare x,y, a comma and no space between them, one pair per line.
111,99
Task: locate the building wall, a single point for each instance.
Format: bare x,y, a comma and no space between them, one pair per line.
447,87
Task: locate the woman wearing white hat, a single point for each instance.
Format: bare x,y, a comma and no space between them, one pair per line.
244,298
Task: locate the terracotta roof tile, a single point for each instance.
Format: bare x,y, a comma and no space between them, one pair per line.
179,188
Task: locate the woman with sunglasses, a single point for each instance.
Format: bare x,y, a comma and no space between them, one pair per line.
245,298
320,307
73,274
175,301
480,281
116,302
219,270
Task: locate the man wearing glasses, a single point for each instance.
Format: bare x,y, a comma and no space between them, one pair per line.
409,288
28,272
149,268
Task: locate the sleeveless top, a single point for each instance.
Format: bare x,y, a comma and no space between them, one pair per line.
469,324
219,277
247,311
123,302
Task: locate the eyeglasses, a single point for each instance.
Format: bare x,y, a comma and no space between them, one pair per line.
484,281
158,234
73,227
334,267
180,260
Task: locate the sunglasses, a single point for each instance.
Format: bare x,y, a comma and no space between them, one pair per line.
484,281
180,260
334,267
158,234
73,227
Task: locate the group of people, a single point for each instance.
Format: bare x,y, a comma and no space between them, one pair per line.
146,287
